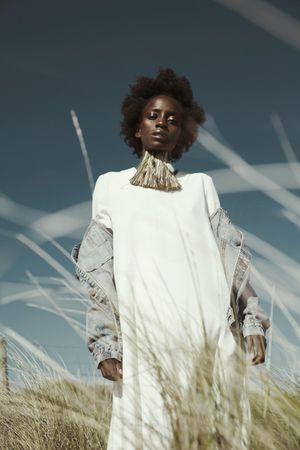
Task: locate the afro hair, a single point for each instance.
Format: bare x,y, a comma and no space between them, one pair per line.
166,83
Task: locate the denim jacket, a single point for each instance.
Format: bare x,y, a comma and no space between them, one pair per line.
93,259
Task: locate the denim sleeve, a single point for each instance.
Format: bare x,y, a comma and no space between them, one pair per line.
94,269
102,319
103,338
236,259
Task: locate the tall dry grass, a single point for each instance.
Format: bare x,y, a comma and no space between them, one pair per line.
59,414
55,415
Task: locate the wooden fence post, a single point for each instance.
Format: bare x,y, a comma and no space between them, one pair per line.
4,387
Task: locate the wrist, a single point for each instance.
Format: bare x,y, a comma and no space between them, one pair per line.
252,326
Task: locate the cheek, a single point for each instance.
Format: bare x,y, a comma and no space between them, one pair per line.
177,134
146,130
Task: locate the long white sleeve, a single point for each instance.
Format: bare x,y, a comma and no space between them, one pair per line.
212,198
100,202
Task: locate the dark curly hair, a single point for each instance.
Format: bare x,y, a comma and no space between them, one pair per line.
166,83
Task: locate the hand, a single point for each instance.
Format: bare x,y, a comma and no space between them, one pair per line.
111,369
256,348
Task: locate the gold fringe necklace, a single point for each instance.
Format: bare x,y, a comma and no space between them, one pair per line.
153,172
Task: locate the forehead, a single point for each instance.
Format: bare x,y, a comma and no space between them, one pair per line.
164,103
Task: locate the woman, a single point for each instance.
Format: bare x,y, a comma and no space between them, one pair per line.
170,284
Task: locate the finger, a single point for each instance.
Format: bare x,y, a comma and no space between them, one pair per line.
119,369
107,368
115,374
260,349
252,349
114,370
112,376
249,343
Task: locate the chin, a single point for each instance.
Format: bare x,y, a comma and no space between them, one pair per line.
156,148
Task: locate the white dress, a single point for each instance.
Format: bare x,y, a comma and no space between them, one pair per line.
168,276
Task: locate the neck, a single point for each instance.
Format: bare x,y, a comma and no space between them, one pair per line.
161,155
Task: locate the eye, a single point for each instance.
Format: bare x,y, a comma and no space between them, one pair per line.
173,121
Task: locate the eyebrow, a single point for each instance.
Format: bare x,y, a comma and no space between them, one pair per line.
170,112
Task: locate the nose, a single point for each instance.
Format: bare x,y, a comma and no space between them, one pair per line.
160,122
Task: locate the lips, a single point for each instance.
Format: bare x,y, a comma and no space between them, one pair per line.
159,134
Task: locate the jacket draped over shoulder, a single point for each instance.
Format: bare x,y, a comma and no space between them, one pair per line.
94,269
93,259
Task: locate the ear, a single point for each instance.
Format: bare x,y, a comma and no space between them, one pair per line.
138,133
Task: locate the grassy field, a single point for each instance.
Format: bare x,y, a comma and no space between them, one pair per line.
56,416
61,415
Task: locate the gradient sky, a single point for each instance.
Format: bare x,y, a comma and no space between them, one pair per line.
63,55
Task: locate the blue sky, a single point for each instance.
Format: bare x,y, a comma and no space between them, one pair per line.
243,61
